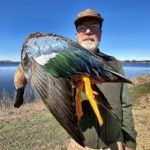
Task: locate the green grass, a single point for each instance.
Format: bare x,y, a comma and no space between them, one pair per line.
40,132
138,91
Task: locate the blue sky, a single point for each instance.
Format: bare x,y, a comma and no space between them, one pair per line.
126,27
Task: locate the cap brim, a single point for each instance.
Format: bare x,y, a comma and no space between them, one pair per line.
78,20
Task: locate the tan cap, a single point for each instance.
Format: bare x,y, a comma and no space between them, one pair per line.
88,13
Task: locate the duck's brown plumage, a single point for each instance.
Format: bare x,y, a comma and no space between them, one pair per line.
19,78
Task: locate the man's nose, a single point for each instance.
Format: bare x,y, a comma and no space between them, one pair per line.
88,31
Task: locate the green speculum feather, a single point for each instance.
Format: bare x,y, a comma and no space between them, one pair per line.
63,65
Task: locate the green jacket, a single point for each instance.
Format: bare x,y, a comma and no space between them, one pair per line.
117,95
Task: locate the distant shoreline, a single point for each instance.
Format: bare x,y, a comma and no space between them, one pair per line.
136,61
9,61
123,61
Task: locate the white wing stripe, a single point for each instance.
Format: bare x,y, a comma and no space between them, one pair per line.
43,59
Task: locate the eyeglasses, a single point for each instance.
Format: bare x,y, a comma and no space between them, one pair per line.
92,27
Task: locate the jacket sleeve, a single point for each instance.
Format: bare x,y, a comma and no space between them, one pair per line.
128,130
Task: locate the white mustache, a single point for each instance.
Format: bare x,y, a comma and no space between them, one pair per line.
86,39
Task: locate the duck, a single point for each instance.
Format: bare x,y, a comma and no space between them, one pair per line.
54,65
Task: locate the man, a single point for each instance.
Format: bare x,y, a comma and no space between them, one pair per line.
88,25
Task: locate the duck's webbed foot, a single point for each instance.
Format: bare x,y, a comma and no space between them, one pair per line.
90,95
78,100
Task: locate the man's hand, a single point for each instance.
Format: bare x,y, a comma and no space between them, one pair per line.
129,148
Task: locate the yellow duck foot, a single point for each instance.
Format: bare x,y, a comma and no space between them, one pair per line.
90,95
78,100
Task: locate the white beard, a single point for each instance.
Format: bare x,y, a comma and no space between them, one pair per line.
90,45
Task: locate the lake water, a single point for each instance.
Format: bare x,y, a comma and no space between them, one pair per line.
136,69
7,71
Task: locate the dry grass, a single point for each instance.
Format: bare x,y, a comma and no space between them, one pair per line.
33,127
30,127
6,100
140,92
141,114
141,80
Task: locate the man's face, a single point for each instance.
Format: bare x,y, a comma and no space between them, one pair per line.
88,34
